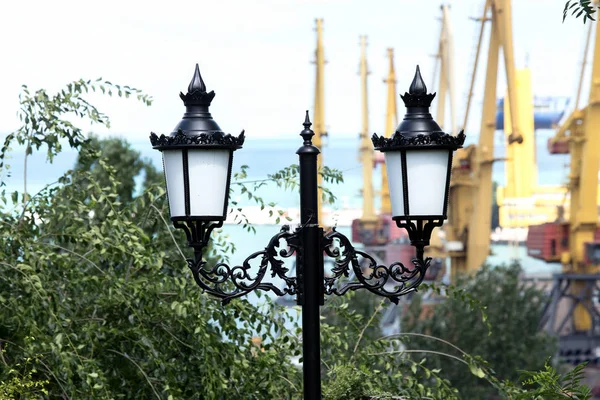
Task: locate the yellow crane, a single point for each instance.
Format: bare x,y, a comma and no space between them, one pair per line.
445,62
391,122
368,219
319,110
580,133
471,188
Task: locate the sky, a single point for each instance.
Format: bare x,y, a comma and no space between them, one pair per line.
256,55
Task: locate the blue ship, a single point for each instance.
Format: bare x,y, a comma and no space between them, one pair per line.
547,112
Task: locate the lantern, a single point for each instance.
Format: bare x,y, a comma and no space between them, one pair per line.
418,158
197,159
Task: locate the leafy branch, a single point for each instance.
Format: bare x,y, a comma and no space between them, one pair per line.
579,7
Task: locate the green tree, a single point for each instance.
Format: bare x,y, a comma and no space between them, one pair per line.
127,163
107,304
513,311
45,118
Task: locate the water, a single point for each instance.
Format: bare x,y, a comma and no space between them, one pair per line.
265,156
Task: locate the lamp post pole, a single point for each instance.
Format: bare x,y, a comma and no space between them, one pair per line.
309,264
419,158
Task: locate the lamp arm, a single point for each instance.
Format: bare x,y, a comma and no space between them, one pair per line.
391,281
226,282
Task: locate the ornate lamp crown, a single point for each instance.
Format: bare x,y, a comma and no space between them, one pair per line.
418,129
197,95
417,93
197,128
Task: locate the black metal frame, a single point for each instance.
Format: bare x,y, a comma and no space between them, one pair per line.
308,242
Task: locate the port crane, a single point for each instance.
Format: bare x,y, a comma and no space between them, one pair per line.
391,122
445,65
522,201
319,108
368,219
468,230
571,312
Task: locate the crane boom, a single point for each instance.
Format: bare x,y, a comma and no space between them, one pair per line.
366,148
319,110
446,72
391,121
471,225
585,162
578,283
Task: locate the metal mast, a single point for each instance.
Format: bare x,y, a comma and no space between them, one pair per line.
446,79
391,121
319,111
366,148
471,219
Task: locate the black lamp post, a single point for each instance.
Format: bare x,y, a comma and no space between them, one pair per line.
197,159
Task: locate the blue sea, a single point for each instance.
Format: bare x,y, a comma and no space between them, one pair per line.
266,156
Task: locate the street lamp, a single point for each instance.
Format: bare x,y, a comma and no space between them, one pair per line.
197,158
418,158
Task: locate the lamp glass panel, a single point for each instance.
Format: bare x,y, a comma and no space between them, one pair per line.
208,181
173,165
393,164
427,173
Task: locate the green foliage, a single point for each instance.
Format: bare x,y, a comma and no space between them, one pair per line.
45,119
98,280
357,364
126,162
580,7
19,382
111,310
286,179
547,384
512,310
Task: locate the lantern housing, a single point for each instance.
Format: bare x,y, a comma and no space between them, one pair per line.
197,159
418,158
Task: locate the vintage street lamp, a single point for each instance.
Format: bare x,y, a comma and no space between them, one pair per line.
197,158
418,158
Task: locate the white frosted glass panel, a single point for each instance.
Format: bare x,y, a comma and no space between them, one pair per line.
208,181
427,171
173,165
393,164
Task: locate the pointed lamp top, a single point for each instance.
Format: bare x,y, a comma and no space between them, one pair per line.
307,124
196,94
197,83
418,85
418,120
417,95
307,133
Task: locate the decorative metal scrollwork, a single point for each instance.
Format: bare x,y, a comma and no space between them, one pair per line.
227,282
391,282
